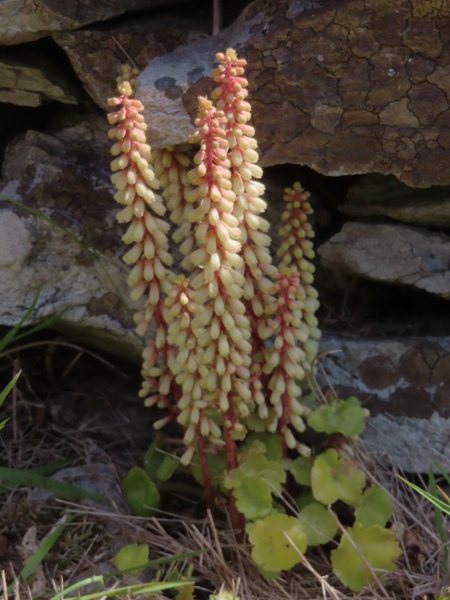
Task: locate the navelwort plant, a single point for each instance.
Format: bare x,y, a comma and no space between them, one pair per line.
235,338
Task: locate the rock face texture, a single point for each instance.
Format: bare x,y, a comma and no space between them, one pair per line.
343,87
23,21
96,54
395,254
351,97
66,251
376,196
31,80
405,383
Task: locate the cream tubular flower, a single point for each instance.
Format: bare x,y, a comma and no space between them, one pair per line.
150,277
297,253
194,403
230,96
171,168
222,326
285,359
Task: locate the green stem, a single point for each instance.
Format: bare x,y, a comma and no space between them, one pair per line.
209,495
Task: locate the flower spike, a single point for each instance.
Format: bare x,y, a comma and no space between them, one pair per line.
150,276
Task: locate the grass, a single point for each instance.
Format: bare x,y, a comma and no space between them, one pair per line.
78,536
78,531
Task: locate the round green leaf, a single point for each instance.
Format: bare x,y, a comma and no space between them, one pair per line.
132,558
375,507
271,548
256,465
300,468
272,442
141,493
153,459
253,498
378,546
305,499
167,467
335,479
319,525
340,416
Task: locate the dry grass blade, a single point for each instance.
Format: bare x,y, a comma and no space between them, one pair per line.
180,533
326,587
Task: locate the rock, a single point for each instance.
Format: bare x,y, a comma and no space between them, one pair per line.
344,87
15,242
96,54
30,79
396,254
23,21
374,195
65,177
164,84
95,478
405,384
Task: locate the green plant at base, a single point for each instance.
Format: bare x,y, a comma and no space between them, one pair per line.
363,551
5,392
436,502
341,416
375,507
141,493
277,542
130,558
334,478
279,539
319,524
129,591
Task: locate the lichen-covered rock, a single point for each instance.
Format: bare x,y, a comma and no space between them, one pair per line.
97,53
396,254
345,87
63,178
25,21
405,383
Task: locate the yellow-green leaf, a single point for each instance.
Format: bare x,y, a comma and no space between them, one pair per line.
333,478
375,507
132,558
319,525
378,546
272,549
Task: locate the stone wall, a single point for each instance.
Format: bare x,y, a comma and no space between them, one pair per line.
351,97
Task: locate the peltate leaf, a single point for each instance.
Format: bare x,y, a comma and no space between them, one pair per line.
340,416
319,525
305,499
378,546
335,479
167,468
224,595
375,507
271,549
253,498
141,493
256,465
300,468
132,558
153,459
272,443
